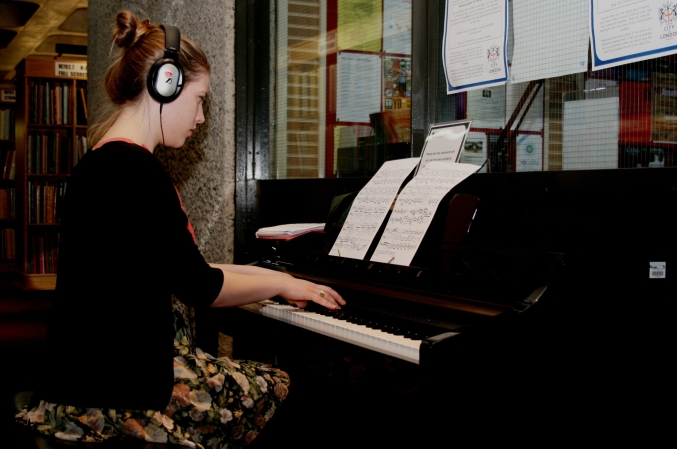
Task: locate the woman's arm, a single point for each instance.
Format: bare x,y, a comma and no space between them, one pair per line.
239,289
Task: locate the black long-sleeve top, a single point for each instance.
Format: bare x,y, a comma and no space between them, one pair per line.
124,249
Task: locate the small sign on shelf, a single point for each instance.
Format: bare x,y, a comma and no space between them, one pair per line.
8,95
70,69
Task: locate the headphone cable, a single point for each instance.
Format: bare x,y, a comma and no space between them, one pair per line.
162,130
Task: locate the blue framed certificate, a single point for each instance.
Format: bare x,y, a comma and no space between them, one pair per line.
474,44
631,30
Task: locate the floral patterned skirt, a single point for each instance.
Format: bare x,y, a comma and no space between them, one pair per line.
215,403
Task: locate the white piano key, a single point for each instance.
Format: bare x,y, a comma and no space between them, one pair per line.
374,339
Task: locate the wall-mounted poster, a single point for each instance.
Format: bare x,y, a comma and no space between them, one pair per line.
475,150
486,107
357,86
359,25
529,153
397,26
586,145
475,44
396,83
624,31
565,51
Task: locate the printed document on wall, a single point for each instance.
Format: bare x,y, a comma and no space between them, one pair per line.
359,25
397,26
586,145
370,207
474,44
415,208
486,107
358,86
549,40
625,31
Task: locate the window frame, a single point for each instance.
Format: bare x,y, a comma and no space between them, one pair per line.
252,106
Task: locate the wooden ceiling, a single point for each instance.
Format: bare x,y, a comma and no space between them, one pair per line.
40,27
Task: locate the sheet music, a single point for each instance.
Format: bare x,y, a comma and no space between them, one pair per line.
370,208
415,208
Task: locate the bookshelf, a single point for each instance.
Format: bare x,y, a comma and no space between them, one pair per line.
51,129
7,179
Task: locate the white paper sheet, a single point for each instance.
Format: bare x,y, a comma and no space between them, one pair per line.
586,145
486,107
358,86
397,26
370,207
415,209
549,40
474,44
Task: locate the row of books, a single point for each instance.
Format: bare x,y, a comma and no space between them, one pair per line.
44,199
7,117
51,103
51,152
7,203
43,251
7,164
7,245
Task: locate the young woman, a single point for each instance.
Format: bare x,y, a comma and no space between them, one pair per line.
122,360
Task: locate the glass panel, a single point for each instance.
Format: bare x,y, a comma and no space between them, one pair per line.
342,87
619,117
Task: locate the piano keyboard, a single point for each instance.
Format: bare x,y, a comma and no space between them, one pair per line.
374,339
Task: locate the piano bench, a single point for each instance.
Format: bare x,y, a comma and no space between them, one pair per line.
21,437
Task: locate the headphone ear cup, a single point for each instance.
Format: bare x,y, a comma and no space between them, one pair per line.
165,80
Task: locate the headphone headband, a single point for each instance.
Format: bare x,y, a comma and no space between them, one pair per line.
165,77
172,39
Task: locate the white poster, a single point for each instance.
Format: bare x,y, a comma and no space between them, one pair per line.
486,107
370,208
624,31
415,209
474,44
529,153
397,26
585,144
358,86
475,150
564,48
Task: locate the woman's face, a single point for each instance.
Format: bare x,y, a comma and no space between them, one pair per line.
181,116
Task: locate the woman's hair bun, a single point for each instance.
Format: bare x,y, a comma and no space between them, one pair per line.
128,29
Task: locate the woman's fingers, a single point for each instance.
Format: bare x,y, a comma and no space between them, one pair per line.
320,294
328,297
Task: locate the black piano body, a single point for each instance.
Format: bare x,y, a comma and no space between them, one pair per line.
552,293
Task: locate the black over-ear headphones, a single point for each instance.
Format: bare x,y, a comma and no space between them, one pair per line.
165,77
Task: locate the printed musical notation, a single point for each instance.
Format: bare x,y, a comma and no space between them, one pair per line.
415,208
370,209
